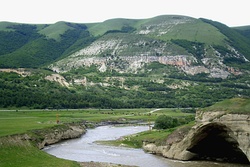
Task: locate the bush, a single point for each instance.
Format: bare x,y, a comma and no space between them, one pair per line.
165,122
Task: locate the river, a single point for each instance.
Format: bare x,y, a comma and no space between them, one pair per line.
85,149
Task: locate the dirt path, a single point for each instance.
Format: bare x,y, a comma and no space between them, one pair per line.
154,110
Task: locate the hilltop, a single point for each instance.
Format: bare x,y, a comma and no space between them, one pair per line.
165,61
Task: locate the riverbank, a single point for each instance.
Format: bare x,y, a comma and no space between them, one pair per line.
101,164
25,149
27,131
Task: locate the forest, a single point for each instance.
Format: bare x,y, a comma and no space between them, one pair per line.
35,92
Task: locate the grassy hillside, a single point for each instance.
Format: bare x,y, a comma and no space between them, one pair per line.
182,27
4,26
244,30
25,46
238,41
165,61
54,31
113,24
235,105
197,31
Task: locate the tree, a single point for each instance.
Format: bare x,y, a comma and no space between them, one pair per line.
165,122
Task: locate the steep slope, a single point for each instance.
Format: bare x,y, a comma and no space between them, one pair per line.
24,45
165,61
236,40
182,27
244,30
193,45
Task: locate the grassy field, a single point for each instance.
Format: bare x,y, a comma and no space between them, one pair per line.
16,122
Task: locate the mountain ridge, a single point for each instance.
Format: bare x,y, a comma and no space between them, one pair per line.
173,27
165,61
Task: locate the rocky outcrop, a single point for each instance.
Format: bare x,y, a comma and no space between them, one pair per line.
57,78
47,136
126,63
56,134
21,71
70,133
218,136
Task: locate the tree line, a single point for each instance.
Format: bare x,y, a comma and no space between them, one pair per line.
35,92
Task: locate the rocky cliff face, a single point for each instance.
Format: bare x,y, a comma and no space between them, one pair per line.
216,136
48,136
57,134
131,52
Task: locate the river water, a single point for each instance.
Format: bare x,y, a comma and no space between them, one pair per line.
85,149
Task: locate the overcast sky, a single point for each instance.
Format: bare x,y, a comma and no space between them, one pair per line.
229,12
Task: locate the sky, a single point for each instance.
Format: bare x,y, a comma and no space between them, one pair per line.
230,12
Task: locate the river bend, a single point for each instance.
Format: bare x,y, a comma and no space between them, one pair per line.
85,149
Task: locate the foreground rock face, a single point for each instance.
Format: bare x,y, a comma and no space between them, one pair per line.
217,136
56,135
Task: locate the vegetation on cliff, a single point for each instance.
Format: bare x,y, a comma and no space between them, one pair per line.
234,105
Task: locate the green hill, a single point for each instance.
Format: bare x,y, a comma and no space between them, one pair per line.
25,45
240,42
113,24
244,30
165,61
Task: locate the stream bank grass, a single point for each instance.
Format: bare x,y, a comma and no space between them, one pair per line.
18,153
136,140
155,136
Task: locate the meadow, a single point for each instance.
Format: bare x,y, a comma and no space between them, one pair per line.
21,121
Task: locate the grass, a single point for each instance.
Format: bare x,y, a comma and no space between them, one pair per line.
4,26
16,122
235,105
203,33
112,24
55,31
136,140
152,136
17,154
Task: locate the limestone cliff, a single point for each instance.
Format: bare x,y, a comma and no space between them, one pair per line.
217,136
130,53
